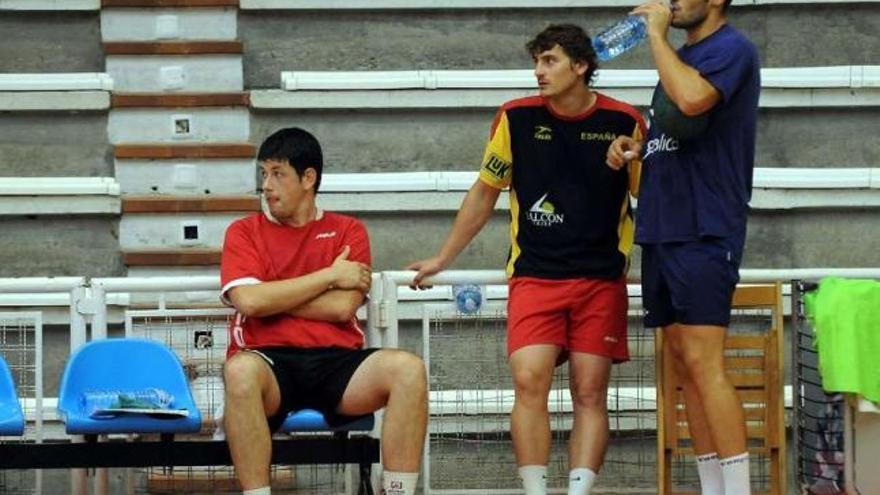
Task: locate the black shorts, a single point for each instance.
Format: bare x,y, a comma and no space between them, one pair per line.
314,378
691,283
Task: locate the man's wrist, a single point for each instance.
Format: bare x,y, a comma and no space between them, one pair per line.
329,277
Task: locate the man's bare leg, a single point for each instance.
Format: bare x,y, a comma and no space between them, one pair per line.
251,396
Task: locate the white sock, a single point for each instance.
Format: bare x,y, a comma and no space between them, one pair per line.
709,469
534,479
580,481
266,490
735,471
396,483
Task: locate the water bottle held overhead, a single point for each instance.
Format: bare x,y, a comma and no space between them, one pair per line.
619,38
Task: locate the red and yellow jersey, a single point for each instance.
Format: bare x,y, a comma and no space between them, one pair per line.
257,250
570,213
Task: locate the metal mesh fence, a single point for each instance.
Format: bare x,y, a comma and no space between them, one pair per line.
469,444
818,421
748,372
199,337
21,348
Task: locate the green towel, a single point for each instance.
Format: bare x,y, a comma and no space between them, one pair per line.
845,315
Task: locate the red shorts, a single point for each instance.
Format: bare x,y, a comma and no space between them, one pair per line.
579,315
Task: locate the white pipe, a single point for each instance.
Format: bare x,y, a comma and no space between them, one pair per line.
39,284
747,275
157,284
405,277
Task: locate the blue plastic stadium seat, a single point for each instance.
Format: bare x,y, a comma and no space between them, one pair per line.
11,418
125,364
311,420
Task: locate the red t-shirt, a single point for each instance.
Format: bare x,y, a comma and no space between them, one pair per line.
257,250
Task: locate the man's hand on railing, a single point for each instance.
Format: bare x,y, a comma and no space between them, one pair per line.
424,269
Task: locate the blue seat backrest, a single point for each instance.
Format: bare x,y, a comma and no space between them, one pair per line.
11,417
124,364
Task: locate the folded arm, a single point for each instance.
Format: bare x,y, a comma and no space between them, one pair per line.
330,294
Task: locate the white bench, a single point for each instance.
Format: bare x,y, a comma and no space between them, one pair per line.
72,91
856,85
59,196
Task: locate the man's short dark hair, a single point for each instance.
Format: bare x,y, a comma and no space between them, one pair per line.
573,40
726,4
298,148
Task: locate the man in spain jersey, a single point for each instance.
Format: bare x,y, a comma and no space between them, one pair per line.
571,232
296,275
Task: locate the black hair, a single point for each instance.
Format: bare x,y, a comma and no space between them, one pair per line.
299,148
573,40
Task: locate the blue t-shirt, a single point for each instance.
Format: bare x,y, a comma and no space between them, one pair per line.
701,187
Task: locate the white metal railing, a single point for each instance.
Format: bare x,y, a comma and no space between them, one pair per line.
89,306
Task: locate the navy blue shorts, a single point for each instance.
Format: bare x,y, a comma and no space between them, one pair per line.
690,283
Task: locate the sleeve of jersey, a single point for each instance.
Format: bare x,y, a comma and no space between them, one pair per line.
239,262
357,239
497,167
728,69
635,166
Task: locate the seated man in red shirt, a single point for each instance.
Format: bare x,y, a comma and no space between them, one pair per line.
296,275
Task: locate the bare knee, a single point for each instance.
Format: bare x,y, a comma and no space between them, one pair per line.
702,369
589,396
242,376
409,372
532,385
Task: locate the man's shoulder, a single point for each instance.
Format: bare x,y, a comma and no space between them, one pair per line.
525,102
733,40
245,224
606,102
342,220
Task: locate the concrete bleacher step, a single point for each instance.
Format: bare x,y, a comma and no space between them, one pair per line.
166,22
171,257
179,125
200,204
188,47
169,3
168,151
195,73
186,176
56,91
468,4
783,87
178,231
59,196
136,100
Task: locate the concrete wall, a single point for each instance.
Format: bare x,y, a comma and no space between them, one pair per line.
51,42
453,139
799,239
59,246
786,35
57,144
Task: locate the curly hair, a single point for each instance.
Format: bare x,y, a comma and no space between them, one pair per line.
573,40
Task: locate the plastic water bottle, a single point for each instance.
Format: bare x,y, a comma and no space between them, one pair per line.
620,37
95,401
468,298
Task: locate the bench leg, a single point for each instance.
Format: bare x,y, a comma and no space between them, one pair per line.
365,487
